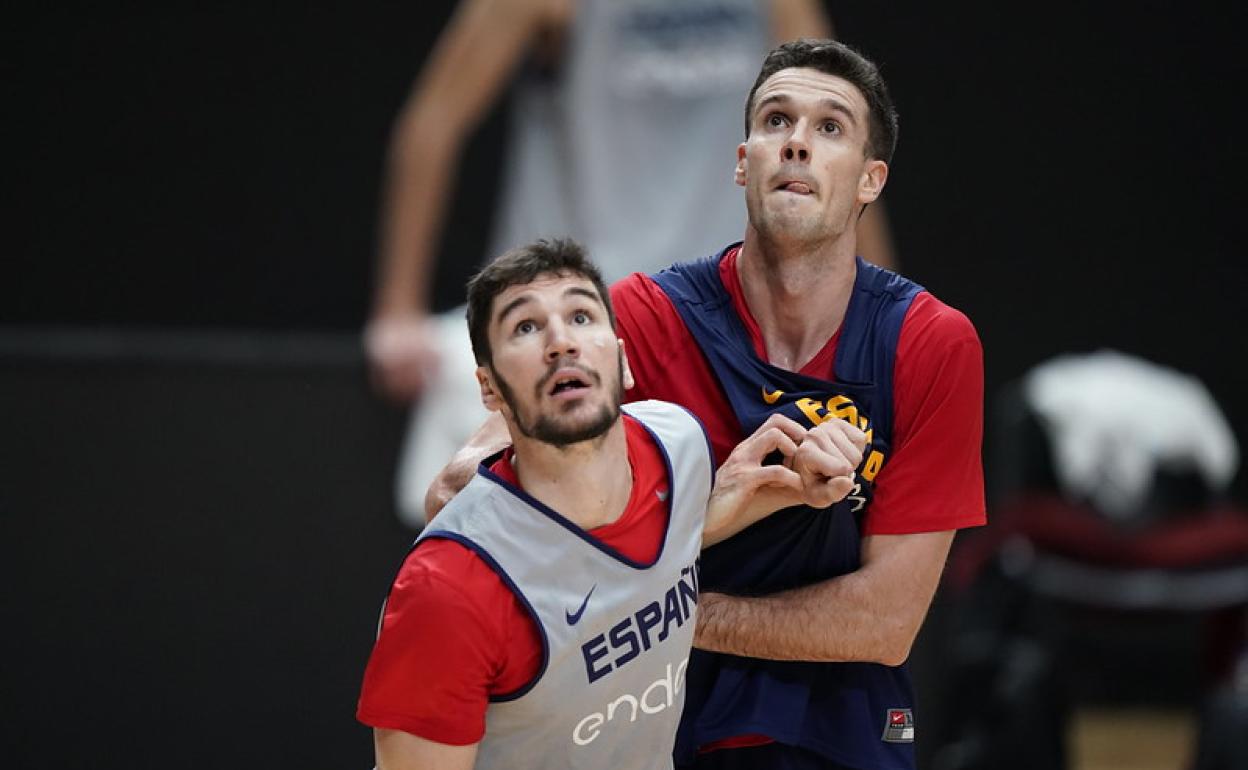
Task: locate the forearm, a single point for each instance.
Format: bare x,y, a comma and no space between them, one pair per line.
791,19
836,620
724,518
722,522
491,437
872,614
418,185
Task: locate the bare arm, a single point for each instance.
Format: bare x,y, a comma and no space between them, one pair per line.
872,614
792,19
489,438
473,58
397,750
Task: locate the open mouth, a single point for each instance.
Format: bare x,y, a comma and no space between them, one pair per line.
567,383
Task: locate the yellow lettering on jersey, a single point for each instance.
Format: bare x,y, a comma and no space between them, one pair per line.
773,396
843,407
872,466
810,408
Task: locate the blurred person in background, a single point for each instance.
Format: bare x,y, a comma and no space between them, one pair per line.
623,116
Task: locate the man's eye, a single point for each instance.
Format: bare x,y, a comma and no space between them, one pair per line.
581,317
775,119
832,127
525,327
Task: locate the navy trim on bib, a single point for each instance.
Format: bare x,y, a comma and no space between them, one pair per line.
485,556
561,520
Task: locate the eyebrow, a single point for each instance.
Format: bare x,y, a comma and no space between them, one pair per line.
827,102
579,291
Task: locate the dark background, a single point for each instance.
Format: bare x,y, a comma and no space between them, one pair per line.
198,543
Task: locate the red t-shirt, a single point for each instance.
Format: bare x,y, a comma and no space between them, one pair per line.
453,633
933,479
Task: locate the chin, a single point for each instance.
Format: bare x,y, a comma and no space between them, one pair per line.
787,229
590,422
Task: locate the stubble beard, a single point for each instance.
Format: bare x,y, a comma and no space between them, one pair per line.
550,429
782,229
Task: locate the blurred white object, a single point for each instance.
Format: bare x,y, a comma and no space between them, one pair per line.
1114,420
447,413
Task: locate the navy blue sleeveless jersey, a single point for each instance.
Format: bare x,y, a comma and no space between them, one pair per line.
853,713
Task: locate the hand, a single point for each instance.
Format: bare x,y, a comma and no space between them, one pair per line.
745,489
490,438
402,354
826,460
450,480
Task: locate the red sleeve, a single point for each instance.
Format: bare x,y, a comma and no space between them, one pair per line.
934,479
449,638
667,363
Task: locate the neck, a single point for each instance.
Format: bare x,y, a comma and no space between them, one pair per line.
558,476
797,294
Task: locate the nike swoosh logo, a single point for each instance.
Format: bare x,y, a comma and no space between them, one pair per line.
662,494
773,396
574,618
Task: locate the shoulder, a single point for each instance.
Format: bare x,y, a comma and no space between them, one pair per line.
939,365
929,320
447,579
674,422
644,315
634,289
652,410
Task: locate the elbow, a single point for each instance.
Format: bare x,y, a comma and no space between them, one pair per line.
895,646
895,655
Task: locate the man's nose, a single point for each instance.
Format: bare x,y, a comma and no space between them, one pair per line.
796,147
559,341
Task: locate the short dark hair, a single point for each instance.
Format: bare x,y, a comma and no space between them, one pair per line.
838,59
521,265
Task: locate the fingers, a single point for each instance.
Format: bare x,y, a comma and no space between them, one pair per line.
820,463
826,462
777,476
840,438
789,427
778,433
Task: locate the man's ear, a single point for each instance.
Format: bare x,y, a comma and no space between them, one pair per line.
871,183
739,175
626,374
490,397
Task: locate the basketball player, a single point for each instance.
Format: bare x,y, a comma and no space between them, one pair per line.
808,617
544,620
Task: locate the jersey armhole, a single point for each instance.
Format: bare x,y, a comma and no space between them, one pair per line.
524,602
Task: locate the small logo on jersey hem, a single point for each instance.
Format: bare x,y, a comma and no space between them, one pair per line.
574,618
773,396
662,493
898,726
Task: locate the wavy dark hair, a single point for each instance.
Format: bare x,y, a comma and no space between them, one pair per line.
521,265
